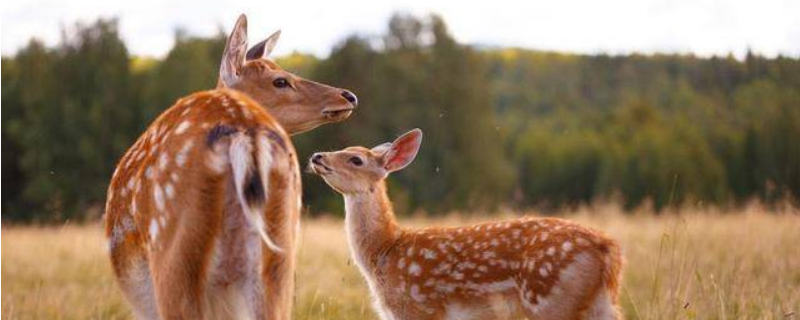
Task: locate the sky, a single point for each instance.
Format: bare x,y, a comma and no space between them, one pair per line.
700,27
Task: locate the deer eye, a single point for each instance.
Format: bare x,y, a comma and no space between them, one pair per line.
356,161
280,83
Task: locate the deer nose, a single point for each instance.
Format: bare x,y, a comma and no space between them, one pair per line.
351,97
316,158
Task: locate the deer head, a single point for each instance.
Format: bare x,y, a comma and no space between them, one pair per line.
358,169
298,104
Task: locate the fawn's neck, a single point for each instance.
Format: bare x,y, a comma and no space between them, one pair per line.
370,224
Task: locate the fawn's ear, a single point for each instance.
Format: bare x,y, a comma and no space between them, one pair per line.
402,151
263,48
382,148
233,56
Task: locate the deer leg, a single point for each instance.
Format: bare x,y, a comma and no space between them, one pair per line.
278,268
281,215
577,284
184,259
181,277
279,284
603,308
137,286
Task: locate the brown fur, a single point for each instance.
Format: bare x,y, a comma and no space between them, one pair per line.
180,255
540,268
215,175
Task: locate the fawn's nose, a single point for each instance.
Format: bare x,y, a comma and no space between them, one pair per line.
316,158
350,97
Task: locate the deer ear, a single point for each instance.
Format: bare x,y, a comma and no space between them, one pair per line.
264,48
381,149
233,56
402,151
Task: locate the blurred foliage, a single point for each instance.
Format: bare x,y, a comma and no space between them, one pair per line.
502,126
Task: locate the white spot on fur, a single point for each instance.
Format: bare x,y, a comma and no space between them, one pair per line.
566,246
183,153
169,190
428,254
183,126
153,230
130,183
163,161
543,271
158,196
414,269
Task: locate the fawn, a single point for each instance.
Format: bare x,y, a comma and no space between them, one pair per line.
202,211
540,268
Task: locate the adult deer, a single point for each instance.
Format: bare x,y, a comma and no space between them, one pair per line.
202,212
540,268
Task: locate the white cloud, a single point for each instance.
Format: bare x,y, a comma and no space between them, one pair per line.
703,27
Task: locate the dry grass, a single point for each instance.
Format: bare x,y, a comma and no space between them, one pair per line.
692,265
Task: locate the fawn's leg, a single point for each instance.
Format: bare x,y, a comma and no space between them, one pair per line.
576,284
603,308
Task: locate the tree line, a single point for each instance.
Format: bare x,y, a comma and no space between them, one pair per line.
503,126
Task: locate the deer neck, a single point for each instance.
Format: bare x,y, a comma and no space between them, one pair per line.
370,225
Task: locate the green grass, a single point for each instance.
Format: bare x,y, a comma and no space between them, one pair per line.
690,265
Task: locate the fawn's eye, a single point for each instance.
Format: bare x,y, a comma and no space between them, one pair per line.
280,83
356,161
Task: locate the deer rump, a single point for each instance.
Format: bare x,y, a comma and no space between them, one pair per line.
254,204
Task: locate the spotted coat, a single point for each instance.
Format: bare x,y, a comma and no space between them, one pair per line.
539,268
203,209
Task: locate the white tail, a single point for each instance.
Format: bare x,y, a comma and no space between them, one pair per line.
252,181
539,268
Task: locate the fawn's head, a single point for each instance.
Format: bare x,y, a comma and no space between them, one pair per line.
297,104
357,169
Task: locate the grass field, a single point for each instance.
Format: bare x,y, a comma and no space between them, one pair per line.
692,265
